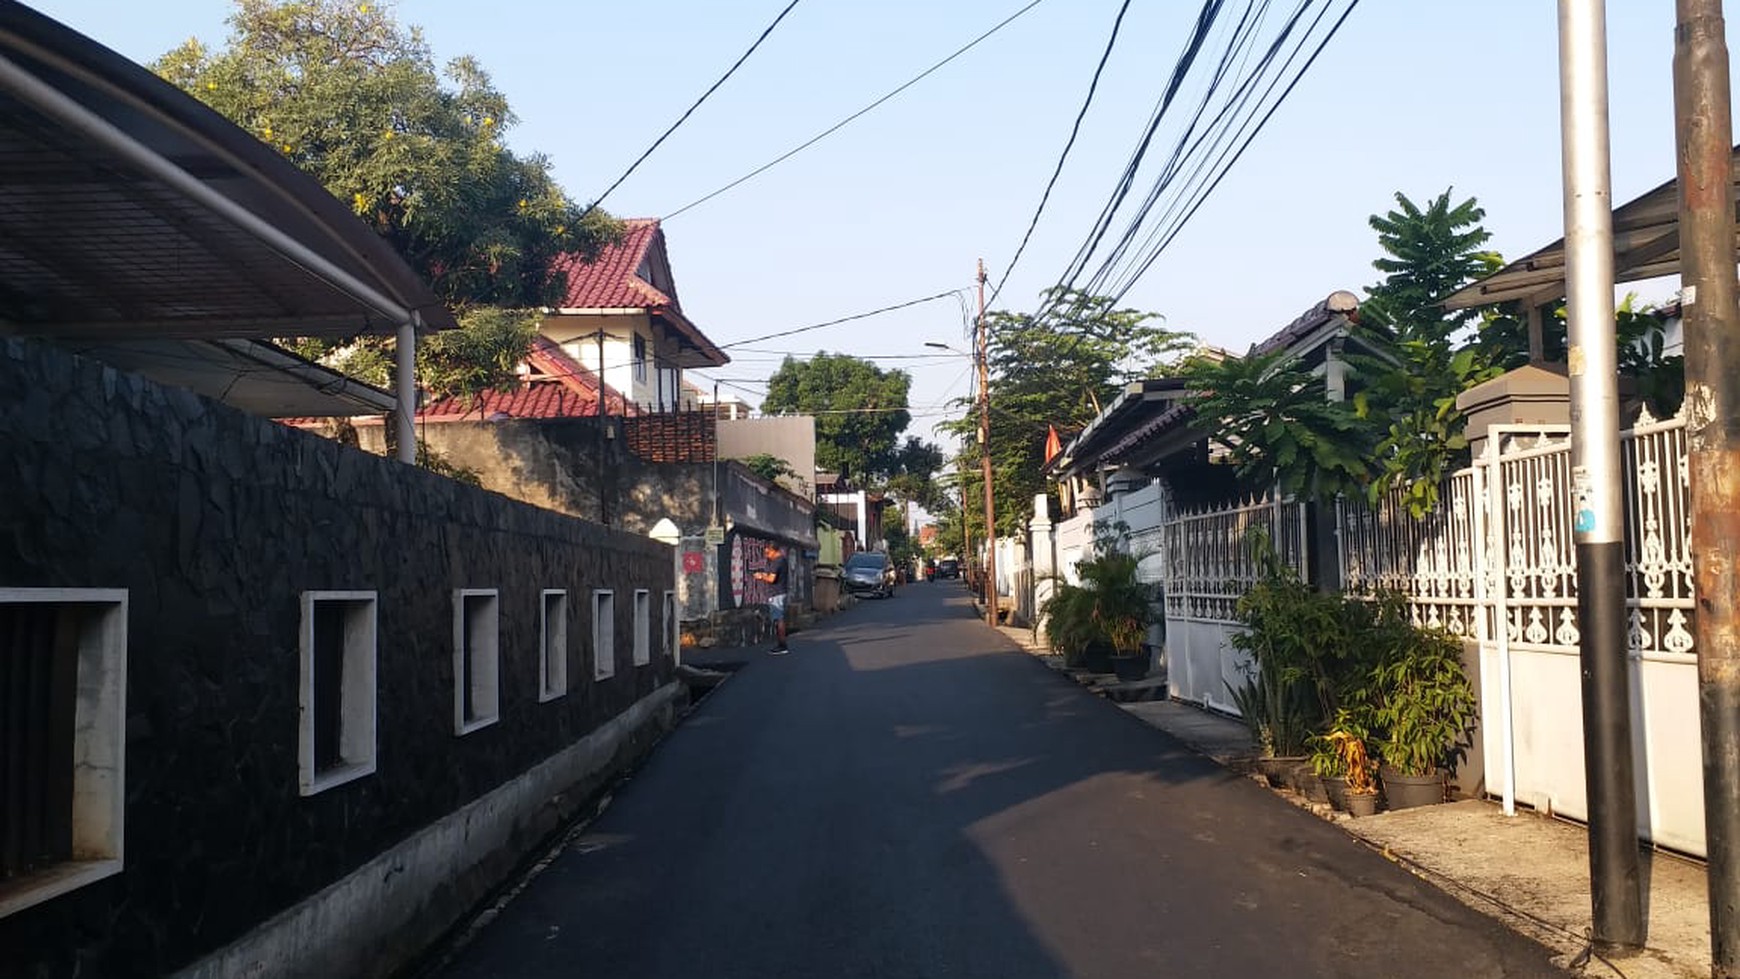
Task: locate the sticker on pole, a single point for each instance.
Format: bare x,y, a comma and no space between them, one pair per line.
1582,503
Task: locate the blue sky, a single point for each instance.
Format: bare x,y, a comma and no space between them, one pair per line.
1410,96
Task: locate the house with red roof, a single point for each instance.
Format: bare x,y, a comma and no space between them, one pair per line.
621,317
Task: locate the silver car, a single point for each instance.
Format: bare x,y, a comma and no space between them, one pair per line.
868,572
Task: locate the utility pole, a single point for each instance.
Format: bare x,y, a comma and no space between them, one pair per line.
1704,134
1598,526
603,508
985,456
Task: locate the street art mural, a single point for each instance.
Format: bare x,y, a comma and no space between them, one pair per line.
748,554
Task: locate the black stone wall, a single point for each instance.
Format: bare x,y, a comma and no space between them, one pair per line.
216,522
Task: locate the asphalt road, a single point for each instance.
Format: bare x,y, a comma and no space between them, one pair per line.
905,795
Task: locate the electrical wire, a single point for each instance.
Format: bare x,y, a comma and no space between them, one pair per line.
836,127
837,322
690,111
1074,131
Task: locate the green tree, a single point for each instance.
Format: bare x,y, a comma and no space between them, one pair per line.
1278,426
1060,369
1422,363
768,466
914,477
355,100
860,411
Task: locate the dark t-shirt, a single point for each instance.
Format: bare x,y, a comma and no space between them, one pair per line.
778,570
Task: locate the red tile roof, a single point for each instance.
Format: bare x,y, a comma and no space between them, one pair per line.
557,387
612,280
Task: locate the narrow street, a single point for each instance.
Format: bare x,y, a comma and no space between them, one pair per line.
905,796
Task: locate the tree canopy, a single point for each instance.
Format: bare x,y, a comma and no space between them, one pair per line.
860,409
1059,370
354,99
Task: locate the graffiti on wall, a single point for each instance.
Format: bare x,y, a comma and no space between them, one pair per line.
748,554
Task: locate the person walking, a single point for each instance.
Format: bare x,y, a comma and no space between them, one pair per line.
774,576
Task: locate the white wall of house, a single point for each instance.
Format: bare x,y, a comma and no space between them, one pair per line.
630,363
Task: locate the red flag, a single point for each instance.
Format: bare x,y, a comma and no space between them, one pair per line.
1053,446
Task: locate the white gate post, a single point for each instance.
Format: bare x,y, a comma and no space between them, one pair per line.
1044,555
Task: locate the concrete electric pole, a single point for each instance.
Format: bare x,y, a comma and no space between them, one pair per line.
985,455
1704,137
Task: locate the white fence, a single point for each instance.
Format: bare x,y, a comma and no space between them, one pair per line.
1496,565
1209,564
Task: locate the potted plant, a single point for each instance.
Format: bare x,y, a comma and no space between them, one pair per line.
1067,619
1347,749
1425,715
1331,753
1122,610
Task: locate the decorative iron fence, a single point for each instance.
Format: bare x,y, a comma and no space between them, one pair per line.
1210,560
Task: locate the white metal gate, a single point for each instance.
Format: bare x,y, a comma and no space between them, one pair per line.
1208,566
1496,565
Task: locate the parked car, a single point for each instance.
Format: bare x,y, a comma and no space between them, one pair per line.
868,572
948,567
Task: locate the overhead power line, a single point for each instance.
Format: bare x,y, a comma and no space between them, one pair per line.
843,319
691,110
836,127
1074,131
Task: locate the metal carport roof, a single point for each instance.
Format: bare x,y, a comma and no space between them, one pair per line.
1646,244
128,209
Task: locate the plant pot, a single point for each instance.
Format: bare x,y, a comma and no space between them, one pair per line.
1408,791
1311,787
1335,787
1283,773
1097,658
1362,803
1134,667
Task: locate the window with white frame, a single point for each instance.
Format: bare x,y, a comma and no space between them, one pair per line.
553,643
63,691
673,633
642,627
603,634
336,736
476,658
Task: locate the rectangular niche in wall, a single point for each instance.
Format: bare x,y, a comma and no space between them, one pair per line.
63,700
603,634
642,627
476,658
336,736
553,644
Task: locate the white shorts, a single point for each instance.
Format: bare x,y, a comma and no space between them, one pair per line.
776,607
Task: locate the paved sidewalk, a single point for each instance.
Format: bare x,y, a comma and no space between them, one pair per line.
1528,870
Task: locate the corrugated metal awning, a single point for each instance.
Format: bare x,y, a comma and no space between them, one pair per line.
1646,244
129,209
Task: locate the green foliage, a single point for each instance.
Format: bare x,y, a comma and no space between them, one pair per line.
1424,704
480,356
1428,253
1060,370
356,100
860,411
1342,753
1110,606
1639,333
1278,426
914,478
1410,385
767,466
